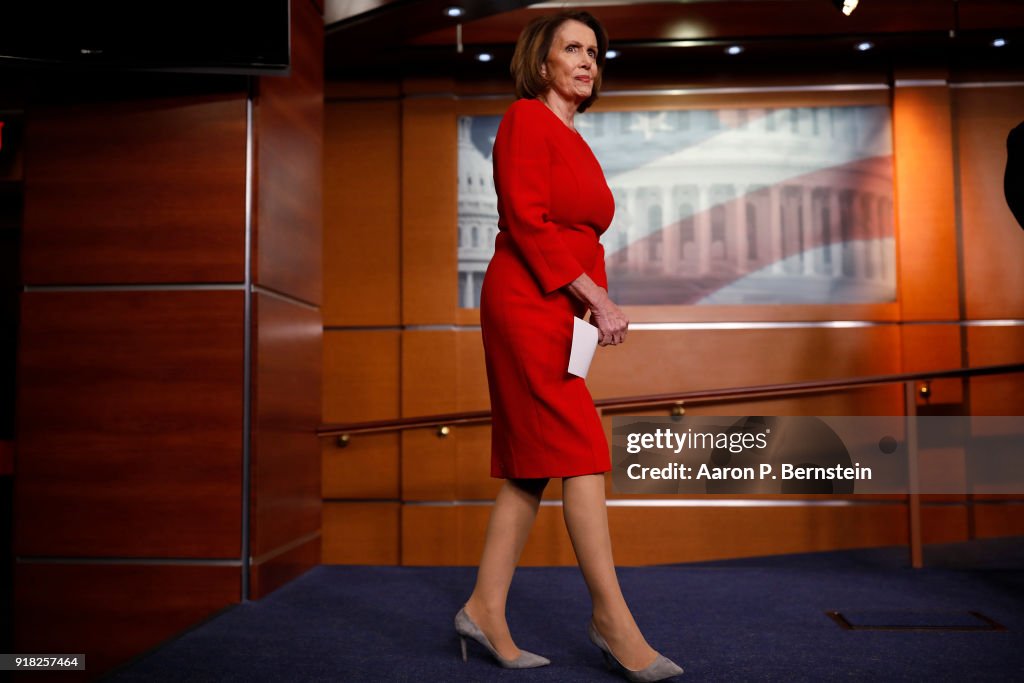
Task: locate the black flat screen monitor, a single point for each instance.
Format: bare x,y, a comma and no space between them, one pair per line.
217,36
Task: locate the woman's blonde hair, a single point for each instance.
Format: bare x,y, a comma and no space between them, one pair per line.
532,50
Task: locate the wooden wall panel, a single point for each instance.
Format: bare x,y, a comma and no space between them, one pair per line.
443,371
925,201
366,468
997,395
657,535
473,479
930,347
454,467
362,209
430,372
136,191
361,533
431,535
336,90
113,612
429,464
996,345
457,467
453,535
429,223
934,347
361,375
993,241
944,523
471,391
880,400
288,127
130,424
285,460
267,574
655,361
993,519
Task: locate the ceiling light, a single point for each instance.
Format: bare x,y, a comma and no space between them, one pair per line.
611,54
865,46
484,57
845,6
999,42
454,11
734,49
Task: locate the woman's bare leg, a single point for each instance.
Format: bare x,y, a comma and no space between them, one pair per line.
586,518
512,517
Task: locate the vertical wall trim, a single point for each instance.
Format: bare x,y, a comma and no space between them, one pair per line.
402,116
247,345
961,268
958,217
961,277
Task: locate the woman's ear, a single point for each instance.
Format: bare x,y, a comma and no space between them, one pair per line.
544,71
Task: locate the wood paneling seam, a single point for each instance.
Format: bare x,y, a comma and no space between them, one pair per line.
247,367
653,503
281,550
354,100
987,84
214,287
262,289
199,562
748,325
921,83
958,234
369,502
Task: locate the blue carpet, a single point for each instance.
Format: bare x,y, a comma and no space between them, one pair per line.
760,619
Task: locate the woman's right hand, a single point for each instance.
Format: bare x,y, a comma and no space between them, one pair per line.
611,323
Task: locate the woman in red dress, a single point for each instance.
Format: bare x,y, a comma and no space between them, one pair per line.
548,266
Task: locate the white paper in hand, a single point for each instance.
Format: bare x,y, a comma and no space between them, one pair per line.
584,343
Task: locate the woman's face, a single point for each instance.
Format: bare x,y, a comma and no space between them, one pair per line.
571,66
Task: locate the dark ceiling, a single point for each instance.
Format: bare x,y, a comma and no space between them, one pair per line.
688,38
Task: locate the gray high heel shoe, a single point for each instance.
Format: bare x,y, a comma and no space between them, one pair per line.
465,627
660,669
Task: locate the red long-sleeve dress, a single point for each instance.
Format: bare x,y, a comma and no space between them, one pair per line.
553,205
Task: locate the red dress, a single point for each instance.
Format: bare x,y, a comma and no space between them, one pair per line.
553,205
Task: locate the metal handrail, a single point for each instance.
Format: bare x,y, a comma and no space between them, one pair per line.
677,398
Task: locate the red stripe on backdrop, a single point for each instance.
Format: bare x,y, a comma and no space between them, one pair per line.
831,177
869,178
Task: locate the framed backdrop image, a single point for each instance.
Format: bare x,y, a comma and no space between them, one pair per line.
724,206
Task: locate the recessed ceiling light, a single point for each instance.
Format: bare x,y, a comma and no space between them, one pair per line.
454,11
999,42
734,49
611,54
865,46
484,57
